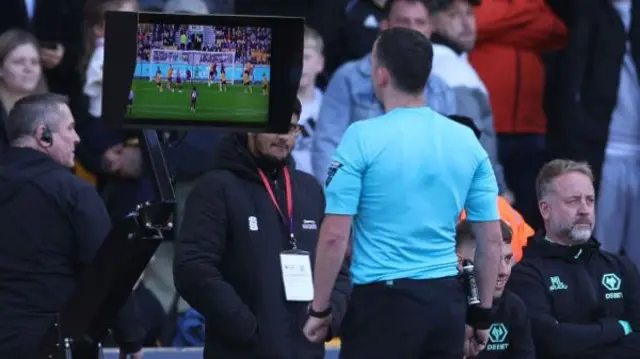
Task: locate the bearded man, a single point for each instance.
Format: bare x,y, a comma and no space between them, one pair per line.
583,302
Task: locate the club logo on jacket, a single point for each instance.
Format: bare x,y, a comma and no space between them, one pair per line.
612,283
309,224
253,223
557,284
498,333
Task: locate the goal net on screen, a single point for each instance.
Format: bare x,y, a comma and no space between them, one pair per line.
196,62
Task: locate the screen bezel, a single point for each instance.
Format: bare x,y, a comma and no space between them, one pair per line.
120,53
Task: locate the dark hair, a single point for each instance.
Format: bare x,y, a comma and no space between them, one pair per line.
407,55
33,111
389,6
297,107
464,232
467,121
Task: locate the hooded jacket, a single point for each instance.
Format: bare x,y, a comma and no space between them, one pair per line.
227,260
52,224
576,296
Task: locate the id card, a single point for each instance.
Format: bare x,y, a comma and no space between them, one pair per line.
297,276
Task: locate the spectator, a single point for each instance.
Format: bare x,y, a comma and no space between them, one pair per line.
521,231
510,331
512,35
20,72
583,302
350,97
310,96
600,121
404,265
52,224
243,222
454,37
57,24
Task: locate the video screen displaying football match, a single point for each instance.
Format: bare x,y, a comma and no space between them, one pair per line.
201,72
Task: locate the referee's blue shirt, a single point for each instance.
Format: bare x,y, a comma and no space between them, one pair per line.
405,176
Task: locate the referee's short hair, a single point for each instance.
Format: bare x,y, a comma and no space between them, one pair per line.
33,111
408,56
464,233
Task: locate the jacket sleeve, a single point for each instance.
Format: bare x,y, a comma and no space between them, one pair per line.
199,251
91,221
552,338
523,23
335,117
521,343
92,226
631,293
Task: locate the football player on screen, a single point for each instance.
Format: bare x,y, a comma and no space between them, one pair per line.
246,81
179,80
265,85
170,79
194,98
130,100
213,72
159,80
223,81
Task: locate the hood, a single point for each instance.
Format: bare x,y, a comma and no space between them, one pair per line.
19,167
232,154
539,247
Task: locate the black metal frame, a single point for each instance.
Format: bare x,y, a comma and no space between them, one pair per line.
107,282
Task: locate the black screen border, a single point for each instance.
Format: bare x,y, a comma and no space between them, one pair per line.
120,53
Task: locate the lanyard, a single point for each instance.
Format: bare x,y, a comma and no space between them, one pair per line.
289,199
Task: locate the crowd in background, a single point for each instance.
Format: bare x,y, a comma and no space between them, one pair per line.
250,44
535,77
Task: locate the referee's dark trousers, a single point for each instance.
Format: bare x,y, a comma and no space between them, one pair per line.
407,319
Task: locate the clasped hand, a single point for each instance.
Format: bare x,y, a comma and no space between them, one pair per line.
317,329
475,340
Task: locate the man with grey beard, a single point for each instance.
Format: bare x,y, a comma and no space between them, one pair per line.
583,302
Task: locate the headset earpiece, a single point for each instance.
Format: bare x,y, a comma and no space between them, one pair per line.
47,137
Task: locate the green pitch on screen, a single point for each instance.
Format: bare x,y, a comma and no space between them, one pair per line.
213,105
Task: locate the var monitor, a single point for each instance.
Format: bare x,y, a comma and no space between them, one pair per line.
185,71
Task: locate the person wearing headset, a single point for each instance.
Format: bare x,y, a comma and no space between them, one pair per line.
52,225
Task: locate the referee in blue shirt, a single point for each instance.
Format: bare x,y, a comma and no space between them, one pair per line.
403,178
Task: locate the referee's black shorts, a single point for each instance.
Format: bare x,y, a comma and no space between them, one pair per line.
407,319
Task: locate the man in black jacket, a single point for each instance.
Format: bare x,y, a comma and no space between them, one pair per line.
52,224
510,331
244,222
583,302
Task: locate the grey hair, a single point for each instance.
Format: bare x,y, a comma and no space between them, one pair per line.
34,111
556,168
186,6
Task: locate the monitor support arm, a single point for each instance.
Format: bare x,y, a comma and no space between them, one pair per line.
106,283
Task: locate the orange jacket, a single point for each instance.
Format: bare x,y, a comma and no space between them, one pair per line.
511,37
521,230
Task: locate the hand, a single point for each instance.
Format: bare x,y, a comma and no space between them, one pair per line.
316,329
136,355
468,337
479,341
130,162
51,58
111,159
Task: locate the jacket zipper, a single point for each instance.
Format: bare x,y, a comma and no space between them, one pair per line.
514,117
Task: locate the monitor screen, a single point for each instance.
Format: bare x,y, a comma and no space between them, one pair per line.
201,72
212,71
